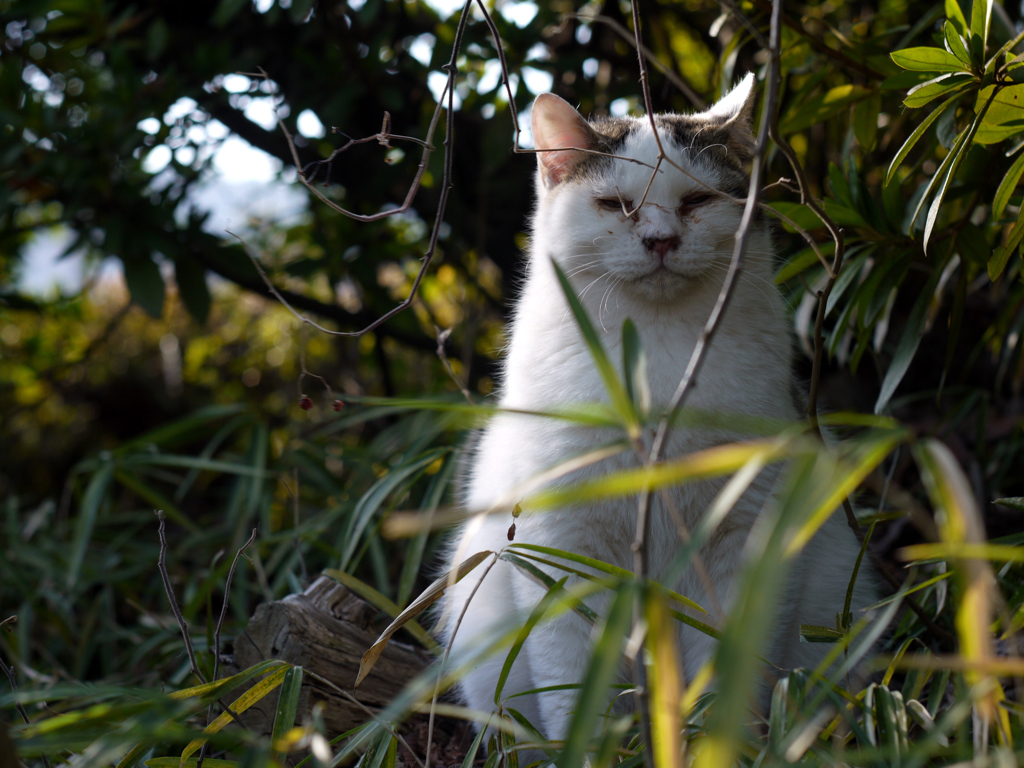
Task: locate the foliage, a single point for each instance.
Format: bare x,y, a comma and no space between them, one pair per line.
904,118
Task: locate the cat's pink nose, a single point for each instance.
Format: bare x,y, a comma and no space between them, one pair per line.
661,245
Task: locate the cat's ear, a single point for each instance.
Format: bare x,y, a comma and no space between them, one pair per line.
559,127
735,112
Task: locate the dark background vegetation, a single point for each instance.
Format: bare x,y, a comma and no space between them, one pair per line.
178,387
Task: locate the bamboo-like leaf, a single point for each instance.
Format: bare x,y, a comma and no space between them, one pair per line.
192,762
960,523
848,475
908,343
373,498
620,401
420,604
604,664
1011,502
381,601
711,462
921,716
634,366
927,59
535,616
949,550
474,748
918,132
599,565
662,662
287,706
239,705
86,521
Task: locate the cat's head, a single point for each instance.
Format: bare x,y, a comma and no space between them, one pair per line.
592,177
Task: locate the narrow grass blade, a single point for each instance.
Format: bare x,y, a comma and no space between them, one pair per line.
535,616
381,601
86,522
663,675
604,664
239,705
420,604
287,706
620,401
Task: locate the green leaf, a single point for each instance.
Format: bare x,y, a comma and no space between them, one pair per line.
865,120
145,284
192,288
822,107
86,521
1001,255
932,89
634,366
1007,187
239,705
955,43
370,502
908,343
814,633
377,600
916,135
955,15
604,664
981,14
616,392
1011,502
287,706
1005,115
535,616
927,60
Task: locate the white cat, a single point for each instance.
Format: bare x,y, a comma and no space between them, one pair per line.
663,268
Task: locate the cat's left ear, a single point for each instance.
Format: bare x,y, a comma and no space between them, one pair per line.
560,129
735,113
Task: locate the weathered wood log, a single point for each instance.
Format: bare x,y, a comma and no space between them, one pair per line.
326,630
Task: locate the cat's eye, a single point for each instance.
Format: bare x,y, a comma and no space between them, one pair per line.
614,204
694,200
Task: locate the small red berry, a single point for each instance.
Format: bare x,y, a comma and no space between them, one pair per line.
338,405
305,402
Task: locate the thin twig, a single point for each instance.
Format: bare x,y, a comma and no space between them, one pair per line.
216,637
161,565
442,337
629,37
447,651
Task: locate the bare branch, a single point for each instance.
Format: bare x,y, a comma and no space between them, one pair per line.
161,565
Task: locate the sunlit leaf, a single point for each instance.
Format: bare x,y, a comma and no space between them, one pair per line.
927,60
928,91
1005,115
613,386
821,107
915,136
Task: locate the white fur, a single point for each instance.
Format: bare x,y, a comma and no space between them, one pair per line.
747,371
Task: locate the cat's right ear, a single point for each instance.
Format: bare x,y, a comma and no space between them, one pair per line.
561,130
